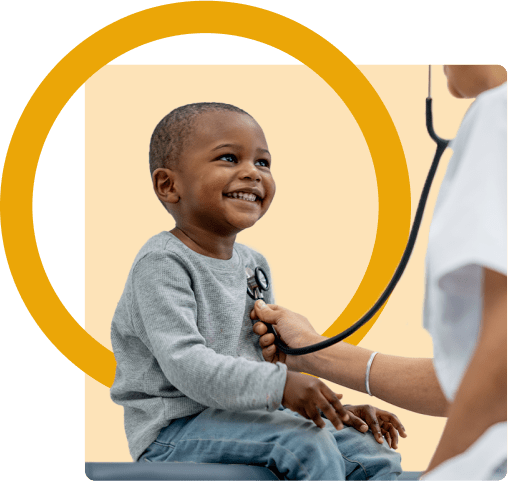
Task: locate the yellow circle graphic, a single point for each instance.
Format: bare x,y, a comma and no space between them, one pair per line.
168,21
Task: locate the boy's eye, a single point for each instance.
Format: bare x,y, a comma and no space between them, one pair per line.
228,158
263,163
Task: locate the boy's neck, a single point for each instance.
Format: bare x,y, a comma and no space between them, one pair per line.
206,244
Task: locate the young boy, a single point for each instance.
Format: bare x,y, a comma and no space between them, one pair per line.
189,369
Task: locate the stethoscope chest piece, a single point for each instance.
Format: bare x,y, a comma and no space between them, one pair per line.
257,282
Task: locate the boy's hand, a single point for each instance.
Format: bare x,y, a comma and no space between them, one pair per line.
306,395
381,423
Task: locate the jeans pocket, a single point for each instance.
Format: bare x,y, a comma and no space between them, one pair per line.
163,440
157,452
354,469
171,434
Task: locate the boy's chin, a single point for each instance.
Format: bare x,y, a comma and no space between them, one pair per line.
244,222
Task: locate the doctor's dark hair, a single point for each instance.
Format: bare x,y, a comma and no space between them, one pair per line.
174,129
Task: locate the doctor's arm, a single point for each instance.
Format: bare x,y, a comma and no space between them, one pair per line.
480,401
405,382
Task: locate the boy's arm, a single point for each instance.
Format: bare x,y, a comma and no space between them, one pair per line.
164,316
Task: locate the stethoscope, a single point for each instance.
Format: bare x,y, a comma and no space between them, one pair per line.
257,280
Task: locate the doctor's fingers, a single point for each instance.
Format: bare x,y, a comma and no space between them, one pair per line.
272,354
260,328
266,340
270,313
269,353
261,306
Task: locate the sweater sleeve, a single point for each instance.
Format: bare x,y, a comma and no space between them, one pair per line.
165,318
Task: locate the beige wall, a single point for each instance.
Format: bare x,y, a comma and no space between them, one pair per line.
321,224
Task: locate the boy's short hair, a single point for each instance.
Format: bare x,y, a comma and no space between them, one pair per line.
175,128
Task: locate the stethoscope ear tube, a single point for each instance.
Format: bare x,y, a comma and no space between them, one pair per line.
441,147
443,143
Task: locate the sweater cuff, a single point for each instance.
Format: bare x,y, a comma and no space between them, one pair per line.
274,399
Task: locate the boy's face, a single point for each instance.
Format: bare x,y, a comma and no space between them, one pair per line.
223,175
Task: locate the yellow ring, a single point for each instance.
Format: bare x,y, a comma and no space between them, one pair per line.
168,21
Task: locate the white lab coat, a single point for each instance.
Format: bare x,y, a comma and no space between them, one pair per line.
468,233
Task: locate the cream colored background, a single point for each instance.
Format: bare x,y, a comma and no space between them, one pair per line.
320,227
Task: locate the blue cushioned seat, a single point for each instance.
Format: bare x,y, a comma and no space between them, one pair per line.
407,475
186,471
172,471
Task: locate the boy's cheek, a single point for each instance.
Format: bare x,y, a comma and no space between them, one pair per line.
272,190
274,186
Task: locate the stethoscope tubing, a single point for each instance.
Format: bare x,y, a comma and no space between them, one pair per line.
441,147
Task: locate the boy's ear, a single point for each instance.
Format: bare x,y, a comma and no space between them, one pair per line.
164,185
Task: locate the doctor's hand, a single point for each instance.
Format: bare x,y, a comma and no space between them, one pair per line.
307,395
294,329
381,423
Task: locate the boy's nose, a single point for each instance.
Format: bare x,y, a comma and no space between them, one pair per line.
250,171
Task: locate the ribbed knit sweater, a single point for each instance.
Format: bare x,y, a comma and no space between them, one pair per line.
183,339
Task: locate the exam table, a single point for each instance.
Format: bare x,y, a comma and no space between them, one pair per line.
186,471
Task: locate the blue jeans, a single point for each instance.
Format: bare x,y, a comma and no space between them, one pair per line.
283,441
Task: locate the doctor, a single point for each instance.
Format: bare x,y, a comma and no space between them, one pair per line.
464,307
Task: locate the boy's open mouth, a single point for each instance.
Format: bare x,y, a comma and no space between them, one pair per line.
243,196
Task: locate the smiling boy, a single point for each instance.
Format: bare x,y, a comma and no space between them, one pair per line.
209,198
189,368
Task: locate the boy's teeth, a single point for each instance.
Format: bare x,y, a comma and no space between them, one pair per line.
243,196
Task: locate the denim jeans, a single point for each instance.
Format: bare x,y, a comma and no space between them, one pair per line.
283,441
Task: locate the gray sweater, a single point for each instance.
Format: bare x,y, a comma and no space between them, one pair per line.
183,340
